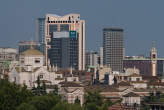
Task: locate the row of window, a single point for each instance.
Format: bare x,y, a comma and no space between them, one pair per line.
62,21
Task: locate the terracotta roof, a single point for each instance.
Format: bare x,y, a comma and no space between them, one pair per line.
31,52
131,94
156,84
70,84
124,83
101,88
155,78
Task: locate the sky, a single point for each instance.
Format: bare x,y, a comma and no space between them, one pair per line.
142,21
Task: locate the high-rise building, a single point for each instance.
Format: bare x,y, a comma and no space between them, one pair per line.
68,28
91,59
101,57
64,50
40,30
113,51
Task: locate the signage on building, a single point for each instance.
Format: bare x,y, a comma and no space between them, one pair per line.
72,34
60,34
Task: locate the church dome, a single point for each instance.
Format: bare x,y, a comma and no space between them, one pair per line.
32,52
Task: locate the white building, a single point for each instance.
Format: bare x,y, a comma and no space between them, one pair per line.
31,67
131,99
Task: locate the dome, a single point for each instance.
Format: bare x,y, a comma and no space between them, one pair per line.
32,52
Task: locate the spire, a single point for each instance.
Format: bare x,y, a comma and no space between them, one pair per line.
153,47
32,44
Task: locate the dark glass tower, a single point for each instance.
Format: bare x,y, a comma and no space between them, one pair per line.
113,49
64,50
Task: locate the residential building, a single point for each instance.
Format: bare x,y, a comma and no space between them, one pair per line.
8,54
113,49
70,26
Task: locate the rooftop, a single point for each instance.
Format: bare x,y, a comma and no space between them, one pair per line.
32,52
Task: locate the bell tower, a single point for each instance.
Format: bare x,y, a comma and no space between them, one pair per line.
153,57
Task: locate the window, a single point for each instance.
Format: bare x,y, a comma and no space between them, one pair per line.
41,76
37,60
22,60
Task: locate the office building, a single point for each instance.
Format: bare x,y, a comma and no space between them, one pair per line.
113,49
64,50
40,27
71,27
91,59
101,57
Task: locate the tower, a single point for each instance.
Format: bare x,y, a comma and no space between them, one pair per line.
65,38
113,50
153,57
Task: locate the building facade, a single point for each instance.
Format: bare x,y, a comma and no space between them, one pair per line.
91,59
151,65
59,25
40,27
113,51
64,51
8,54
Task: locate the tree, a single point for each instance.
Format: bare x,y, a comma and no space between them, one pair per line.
66,106
92,106
39,90
93,97
25,106
45,102
12,95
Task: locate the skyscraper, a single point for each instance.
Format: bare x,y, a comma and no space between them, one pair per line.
91,59
69,29
40,30
113,48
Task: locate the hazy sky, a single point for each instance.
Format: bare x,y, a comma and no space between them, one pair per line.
142,21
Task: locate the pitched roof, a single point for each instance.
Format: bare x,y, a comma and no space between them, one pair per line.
123,83
70,84
131,94
135,75
32,52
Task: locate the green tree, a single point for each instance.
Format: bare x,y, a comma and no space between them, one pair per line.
25,106
45,102
92,106
12,95
66,106
93,97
